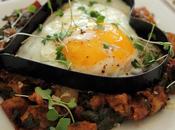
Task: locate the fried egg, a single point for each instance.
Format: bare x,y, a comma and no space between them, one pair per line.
100,49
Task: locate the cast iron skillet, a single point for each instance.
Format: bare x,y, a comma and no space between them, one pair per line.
77,80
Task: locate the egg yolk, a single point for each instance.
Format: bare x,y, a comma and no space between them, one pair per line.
102,45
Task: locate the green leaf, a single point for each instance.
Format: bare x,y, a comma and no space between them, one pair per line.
82,8
18,12
59,13
94,14
63,124
138,46
45,94
105,46
166,45
47,38
100,19
135,64
52,115
63,34
72,104
92,2
32,9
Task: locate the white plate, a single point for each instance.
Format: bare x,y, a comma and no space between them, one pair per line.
164,13
165,16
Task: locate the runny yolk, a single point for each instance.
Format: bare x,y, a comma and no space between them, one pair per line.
89,52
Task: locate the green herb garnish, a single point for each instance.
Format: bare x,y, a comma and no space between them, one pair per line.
63,124
52,114
82,8
136,64
168,47
59,13
94,14
92,2
59,54
99,18
40,28
46,39
60,57
32,9
18,12
45,94
49,4
57,36
139,46
63,34
149,59
105,46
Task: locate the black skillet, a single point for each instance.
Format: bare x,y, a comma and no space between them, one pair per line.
81,81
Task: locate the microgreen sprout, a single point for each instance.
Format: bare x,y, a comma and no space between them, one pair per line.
49,4
92,2
52,114
59,13
32,9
